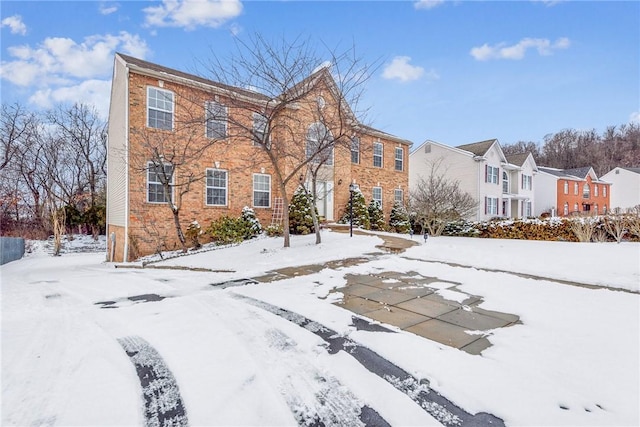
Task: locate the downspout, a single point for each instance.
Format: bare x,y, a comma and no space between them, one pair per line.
125,249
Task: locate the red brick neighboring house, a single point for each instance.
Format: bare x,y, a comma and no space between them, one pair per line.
147,99
572,191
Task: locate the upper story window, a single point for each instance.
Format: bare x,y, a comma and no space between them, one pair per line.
216,120
575,188
216,187
260,123
320,144
526,182
398,195
377,195
505,182
377,154
159,108
261,190
491,174
604,191
595,190
399,158
157,176
566,187
355,150
586,191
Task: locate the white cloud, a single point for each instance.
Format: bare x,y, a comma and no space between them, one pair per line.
90,92
57,60
400,69
427,4
192,13
15,24
634,117
518,50
108,9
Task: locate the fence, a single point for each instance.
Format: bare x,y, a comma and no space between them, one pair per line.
11,249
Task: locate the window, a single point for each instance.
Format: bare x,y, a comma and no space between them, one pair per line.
575,207
355,150
491,174
216,187
604,209
399,158
526,209
575,188
586,191
216,120
377,154
377,195
604,191
595,190
566,187
156,175
526,182
319,144
398,195
491,205
595,209
261,190
260,123
566,206
505,182
159,108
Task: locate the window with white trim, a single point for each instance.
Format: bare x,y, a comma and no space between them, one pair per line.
260,123
377,154
491,174
575,188
566,187
526,209
355,150
566,208
377,195
216,120
604,209
491,205
505,182
575,207
399,158
216,187
595,190
526,182
398,195
586,191
156,176
595,209
261,190
320,144
604,191
159,108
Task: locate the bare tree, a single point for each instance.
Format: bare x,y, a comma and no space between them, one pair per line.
301,106
436,201
616,224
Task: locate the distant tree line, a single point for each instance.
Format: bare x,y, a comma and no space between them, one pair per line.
52,171
570,148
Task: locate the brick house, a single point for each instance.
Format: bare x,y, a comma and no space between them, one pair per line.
563,192
502,185
155,110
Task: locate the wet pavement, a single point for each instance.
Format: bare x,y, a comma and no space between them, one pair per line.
426,306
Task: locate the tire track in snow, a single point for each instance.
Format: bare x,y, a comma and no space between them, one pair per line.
435,404
162,402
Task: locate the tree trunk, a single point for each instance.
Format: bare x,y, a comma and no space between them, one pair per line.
176,222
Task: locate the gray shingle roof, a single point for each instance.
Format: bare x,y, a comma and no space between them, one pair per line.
517,159
579,172
478,148
636,170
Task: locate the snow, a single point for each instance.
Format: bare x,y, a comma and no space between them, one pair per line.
573,360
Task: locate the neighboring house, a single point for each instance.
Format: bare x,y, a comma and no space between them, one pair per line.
625,191
503,186
563,192
147,102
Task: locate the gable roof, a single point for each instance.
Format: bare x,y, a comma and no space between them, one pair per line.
478,148
575,173
322,72
636,170
517,159
579,172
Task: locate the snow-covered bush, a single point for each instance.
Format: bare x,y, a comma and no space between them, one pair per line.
399,218
360,211
300,219
252,223
193,234
376,216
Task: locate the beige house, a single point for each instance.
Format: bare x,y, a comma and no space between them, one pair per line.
202,137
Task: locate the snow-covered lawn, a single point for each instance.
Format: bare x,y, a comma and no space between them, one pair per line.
574,360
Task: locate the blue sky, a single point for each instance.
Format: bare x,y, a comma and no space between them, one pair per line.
450,71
